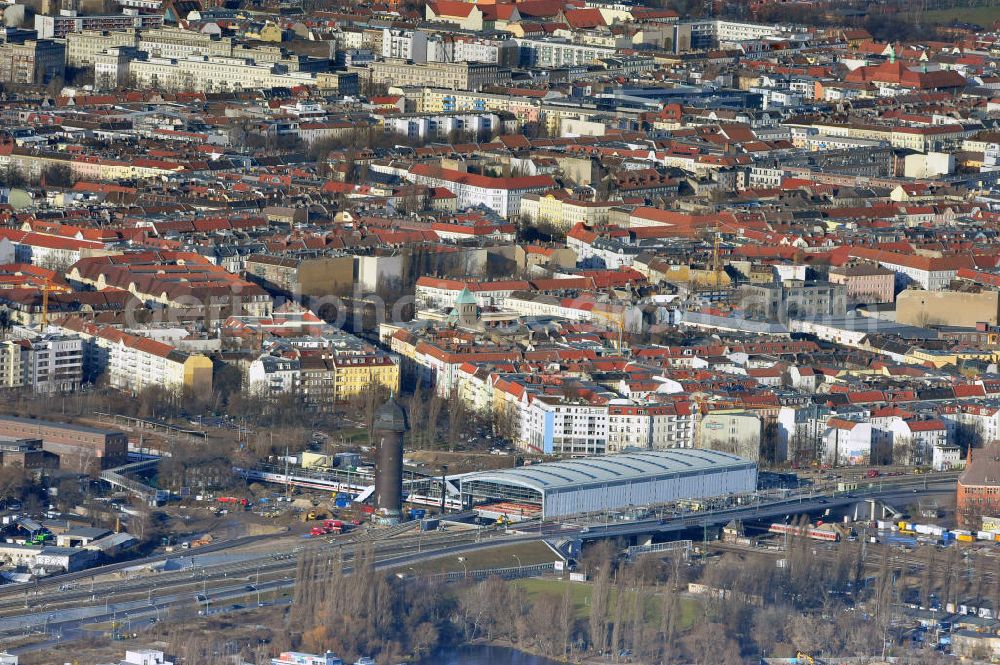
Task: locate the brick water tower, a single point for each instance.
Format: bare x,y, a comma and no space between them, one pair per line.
389,428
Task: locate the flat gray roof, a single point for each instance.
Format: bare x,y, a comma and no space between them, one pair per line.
612,469
875,326
39,422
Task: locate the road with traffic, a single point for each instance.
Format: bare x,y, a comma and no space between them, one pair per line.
62,608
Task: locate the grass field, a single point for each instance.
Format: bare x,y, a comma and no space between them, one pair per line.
691,609
495,557
984,16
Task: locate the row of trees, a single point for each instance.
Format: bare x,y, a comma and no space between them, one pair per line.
366,612
840,601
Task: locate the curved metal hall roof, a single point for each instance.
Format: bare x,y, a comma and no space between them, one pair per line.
613,469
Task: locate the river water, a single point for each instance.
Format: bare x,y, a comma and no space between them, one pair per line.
485,655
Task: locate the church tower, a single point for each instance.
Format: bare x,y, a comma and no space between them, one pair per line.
467,308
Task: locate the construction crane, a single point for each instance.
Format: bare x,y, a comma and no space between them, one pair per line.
45,302
716,268
617,319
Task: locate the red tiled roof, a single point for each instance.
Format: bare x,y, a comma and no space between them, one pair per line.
482,181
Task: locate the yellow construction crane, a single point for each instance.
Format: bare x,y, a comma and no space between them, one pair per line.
45,302
619,321
716,267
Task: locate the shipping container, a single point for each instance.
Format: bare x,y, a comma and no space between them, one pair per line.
965,537
429,524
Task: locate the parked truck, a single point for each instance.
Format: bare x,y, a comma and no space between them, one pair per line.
234,500
329,527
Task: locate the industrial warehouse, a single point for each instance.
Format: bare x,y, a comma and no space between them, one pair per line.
611,482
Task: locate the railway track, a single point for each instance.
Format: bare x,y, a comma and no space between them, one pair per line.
279,577
206,578
907,562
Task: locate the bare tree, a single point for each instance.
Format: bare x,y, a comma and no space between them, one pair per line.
599,594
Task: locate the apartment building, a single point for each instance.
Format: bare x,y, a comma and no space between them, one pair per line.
133,363
31,163
547,53
865,282
315,385
438,100
354,374
111,67
52,363
431,125
922,139
502,195
342,83
48,250
83,47
504,52
320,275
272,375
136,363
649,426
739,31
555,425
439,361
846,442
736,432
703,34
32,62
213,74
179,43
455,75
404,45
466,48
563,212
67,21
793,299
541,304
322,380
436,292
11,370
932,273
973,423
